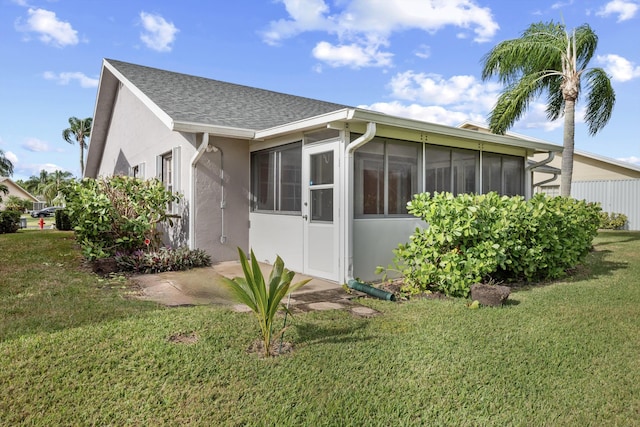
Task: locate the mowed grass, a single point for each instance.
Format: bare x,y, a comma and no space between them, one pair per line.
564,353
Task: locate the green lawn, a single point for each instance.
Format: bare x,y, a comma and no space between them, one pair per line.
76,350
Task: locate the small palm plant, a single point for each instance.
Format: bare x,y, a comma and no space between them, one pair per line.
263,298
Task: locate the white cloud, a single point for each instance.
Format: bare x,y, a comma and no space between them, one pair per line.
625,9
620,69
352,55
66,77
35,145
423,51
368,24
631,159
158,33
11,157
463,92
51,30
428,113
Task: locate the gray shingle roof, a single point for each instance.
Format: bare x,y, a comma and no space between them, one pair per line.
187,98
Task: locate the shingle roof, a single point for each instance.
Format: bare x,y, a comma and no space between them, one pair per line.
200,100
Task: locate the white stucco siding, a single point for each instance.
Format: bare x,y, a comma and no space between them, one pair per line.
137,136
374,241
271,235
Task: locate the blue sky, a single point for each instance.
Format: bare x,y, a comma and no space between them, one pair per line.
412,58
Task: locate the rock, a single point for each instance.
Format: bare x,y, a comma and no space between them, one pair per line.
492,295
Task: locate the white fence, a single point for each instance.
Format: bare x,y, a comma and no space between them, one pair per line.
614,196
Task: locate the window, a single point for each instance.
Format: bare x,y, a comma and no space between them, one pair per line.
450,170
137,171
277,179
502,174
385,177
168,172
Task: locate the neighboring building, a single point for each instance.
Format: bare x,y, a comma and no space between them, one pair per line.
14,190
323,185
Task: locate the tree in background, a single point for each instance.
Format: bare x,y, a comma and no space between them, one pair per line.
6,167
78,130
549,59
46,185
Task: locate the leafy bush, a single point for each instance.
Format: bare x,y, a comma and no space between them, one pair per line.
15,203
63,222
612,221
164,259
471,237
117,214
9,221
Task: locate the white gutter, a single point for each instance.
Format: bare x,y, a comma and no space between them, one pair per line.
348,198
223,202
529,176
192,188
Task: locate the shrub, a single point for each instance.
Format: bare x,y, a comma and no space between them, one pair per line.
612,221
164,259
63,222
9,221
117,214
471,237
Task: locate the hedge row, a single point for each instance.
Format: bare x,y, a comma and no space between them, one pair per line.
471,238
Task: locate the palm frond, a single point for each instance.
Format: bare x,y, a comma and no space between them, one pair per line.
601,99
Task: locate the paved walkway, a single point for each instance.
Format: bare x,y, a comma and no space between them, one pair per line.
202,286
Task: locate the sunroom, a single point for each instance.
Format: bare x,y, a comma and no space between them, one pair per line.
329,197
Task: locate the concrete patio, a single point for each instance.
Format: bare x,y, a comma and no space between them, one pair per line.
202,286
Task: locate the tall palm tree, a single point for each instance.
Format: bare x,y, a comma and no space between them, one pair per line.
6,167
549,59
79,129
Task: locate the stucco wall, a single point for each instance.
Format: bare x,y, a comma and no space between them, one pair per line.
222,223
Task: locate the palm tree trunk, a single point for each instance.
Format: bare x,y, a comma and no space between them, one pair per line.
567,150
81,159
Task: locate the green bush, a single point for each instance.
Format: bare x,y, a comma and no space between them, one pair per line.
9,221
612,221
471,237
117,214
63,221
164,259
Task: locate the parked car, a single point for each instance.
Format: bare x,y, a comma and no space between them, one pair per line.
50,211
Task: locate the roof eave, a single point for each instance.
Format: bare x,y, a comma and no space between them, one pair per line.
305,124
226,131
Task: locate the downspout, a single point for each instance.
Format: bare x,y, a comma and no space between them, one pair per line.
192,187
223,202
531,167
348,201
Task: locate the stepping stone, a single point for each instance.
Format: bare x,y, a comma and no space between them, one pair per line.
364,311
325,306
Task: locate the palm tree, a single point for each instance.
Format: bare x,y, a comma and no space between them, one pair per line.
549,59
50,189
79,130
6,167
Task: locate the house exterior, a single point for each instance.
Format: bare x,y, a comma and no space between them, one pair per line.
14,190
322,185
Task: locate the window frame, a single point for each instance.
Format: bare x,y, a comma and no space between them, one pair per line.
283,186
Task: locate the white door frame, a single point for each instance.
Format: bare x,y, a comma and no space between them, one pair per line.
321,240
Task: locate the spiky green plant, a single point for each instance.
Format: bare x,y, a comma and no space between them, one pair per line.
263,298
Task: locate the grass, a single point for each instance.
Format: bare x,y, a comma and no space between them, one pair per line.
75,350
